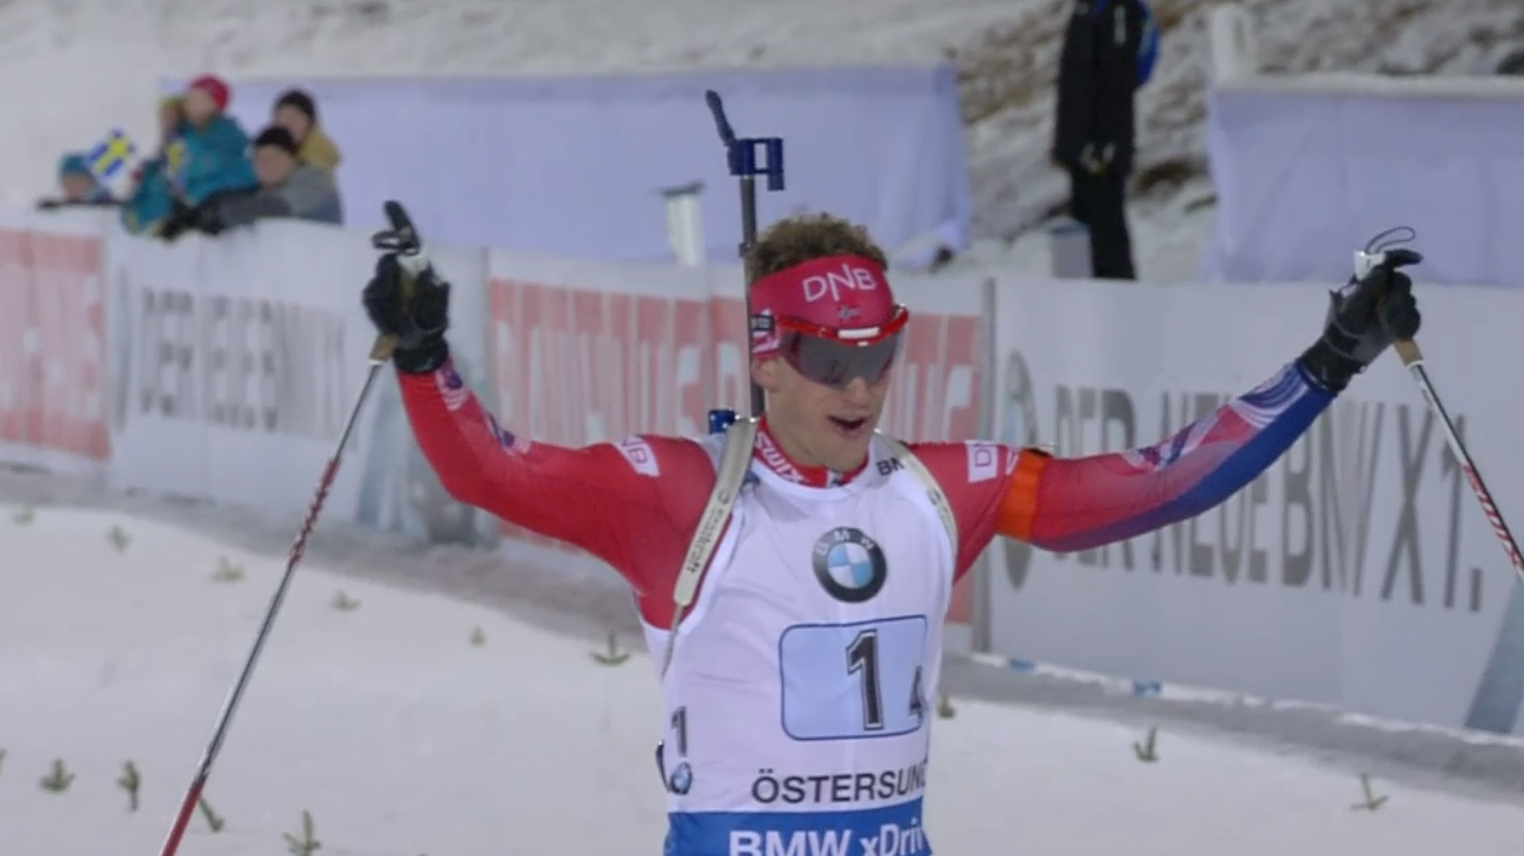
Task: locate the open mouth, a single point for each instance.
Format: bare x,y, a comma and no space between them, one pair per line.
849,424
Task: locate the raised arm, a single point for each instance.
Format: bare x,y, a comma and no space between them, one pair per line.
1067,504
1080,503
633,504
616,501
1086,502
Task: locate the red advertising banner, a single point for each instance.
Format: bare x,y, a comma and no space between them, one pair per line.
53,344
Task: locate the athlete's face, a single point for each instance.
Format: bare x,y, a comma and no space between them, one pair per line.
819,425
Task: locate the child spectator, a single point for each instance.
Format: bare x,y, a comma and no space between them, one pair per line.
216,163
288,187
216,147
78,185
151,201
296,112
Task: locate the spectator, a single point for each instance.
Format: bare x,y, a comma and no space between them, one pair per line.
1513,64
1093,129
297,112
151,200
216,147
216,163
288,187
78,185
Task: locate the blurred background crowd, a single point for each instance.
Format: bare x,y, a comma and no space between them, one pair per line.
206,174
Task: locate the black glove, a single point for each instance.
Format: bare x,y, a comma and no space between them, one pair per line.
182,218
417,315
1364,318
1096,158
208,219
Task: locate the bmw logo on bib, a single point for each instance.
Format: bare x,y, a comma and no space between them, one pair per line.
849,565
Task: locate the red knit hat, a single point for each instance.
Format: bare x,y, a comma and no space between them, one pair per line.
214,86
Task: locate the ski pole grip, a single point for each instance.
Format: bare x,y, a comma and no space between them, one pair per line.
1408,351
401,223
385,346
401,238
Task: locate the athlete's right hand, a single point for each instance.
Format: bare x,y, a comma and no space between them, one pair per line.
412,307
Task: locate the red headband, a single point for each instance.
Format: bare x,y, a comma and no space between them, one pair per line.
836,292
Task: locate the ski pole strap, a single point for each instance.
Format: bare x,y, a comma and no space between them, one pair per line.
740,439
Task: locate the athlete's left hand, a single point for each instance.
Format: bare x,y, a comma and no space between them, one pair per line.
1364,318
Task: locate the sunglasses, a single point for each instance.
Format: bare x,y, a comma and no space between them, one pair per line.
834,356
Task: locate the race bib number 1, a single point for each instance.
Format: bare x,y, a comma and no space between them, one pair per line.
853,681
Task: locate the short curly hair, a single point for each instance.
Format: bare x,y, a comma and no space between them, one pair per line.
804,237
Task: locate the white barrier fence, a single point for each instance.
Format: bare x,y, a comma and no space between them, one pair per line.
1355,572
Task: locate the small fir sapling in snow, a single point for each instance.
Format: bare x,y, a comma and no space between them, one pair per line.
308,844
58,778
613,656
131,781
214,821
1371,802
945,709
1147,751
228,571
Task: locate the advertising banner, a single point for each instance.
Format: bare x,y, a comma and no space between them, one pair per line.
53,358
1357,571
236,360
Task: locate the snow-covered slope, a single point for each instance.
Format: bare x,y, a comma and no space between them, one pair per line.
71,68
1008,72
401,736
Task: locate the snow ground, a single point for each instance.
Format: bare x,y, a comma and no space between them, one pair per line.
69,69
402,737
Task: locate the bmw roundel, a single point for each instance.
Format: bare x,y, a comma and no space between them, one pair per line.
849,565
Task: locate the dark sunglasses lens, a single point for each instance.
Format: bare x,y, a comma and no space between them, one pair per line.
836,363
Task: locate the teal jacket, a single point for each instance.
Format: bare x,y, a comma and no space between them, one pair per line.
216,160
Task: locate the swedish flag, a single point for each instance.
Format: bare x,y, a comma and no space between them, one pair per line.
111,154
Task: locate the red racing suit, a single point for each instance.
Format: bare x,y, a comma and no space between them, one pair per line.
636,503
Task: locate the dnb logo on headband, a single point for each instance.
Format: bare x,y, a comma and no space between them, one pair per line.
849,565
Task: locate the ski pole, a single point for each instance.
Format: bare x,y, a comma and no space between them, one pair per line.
1412,357
1383,250
403,239
741,155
